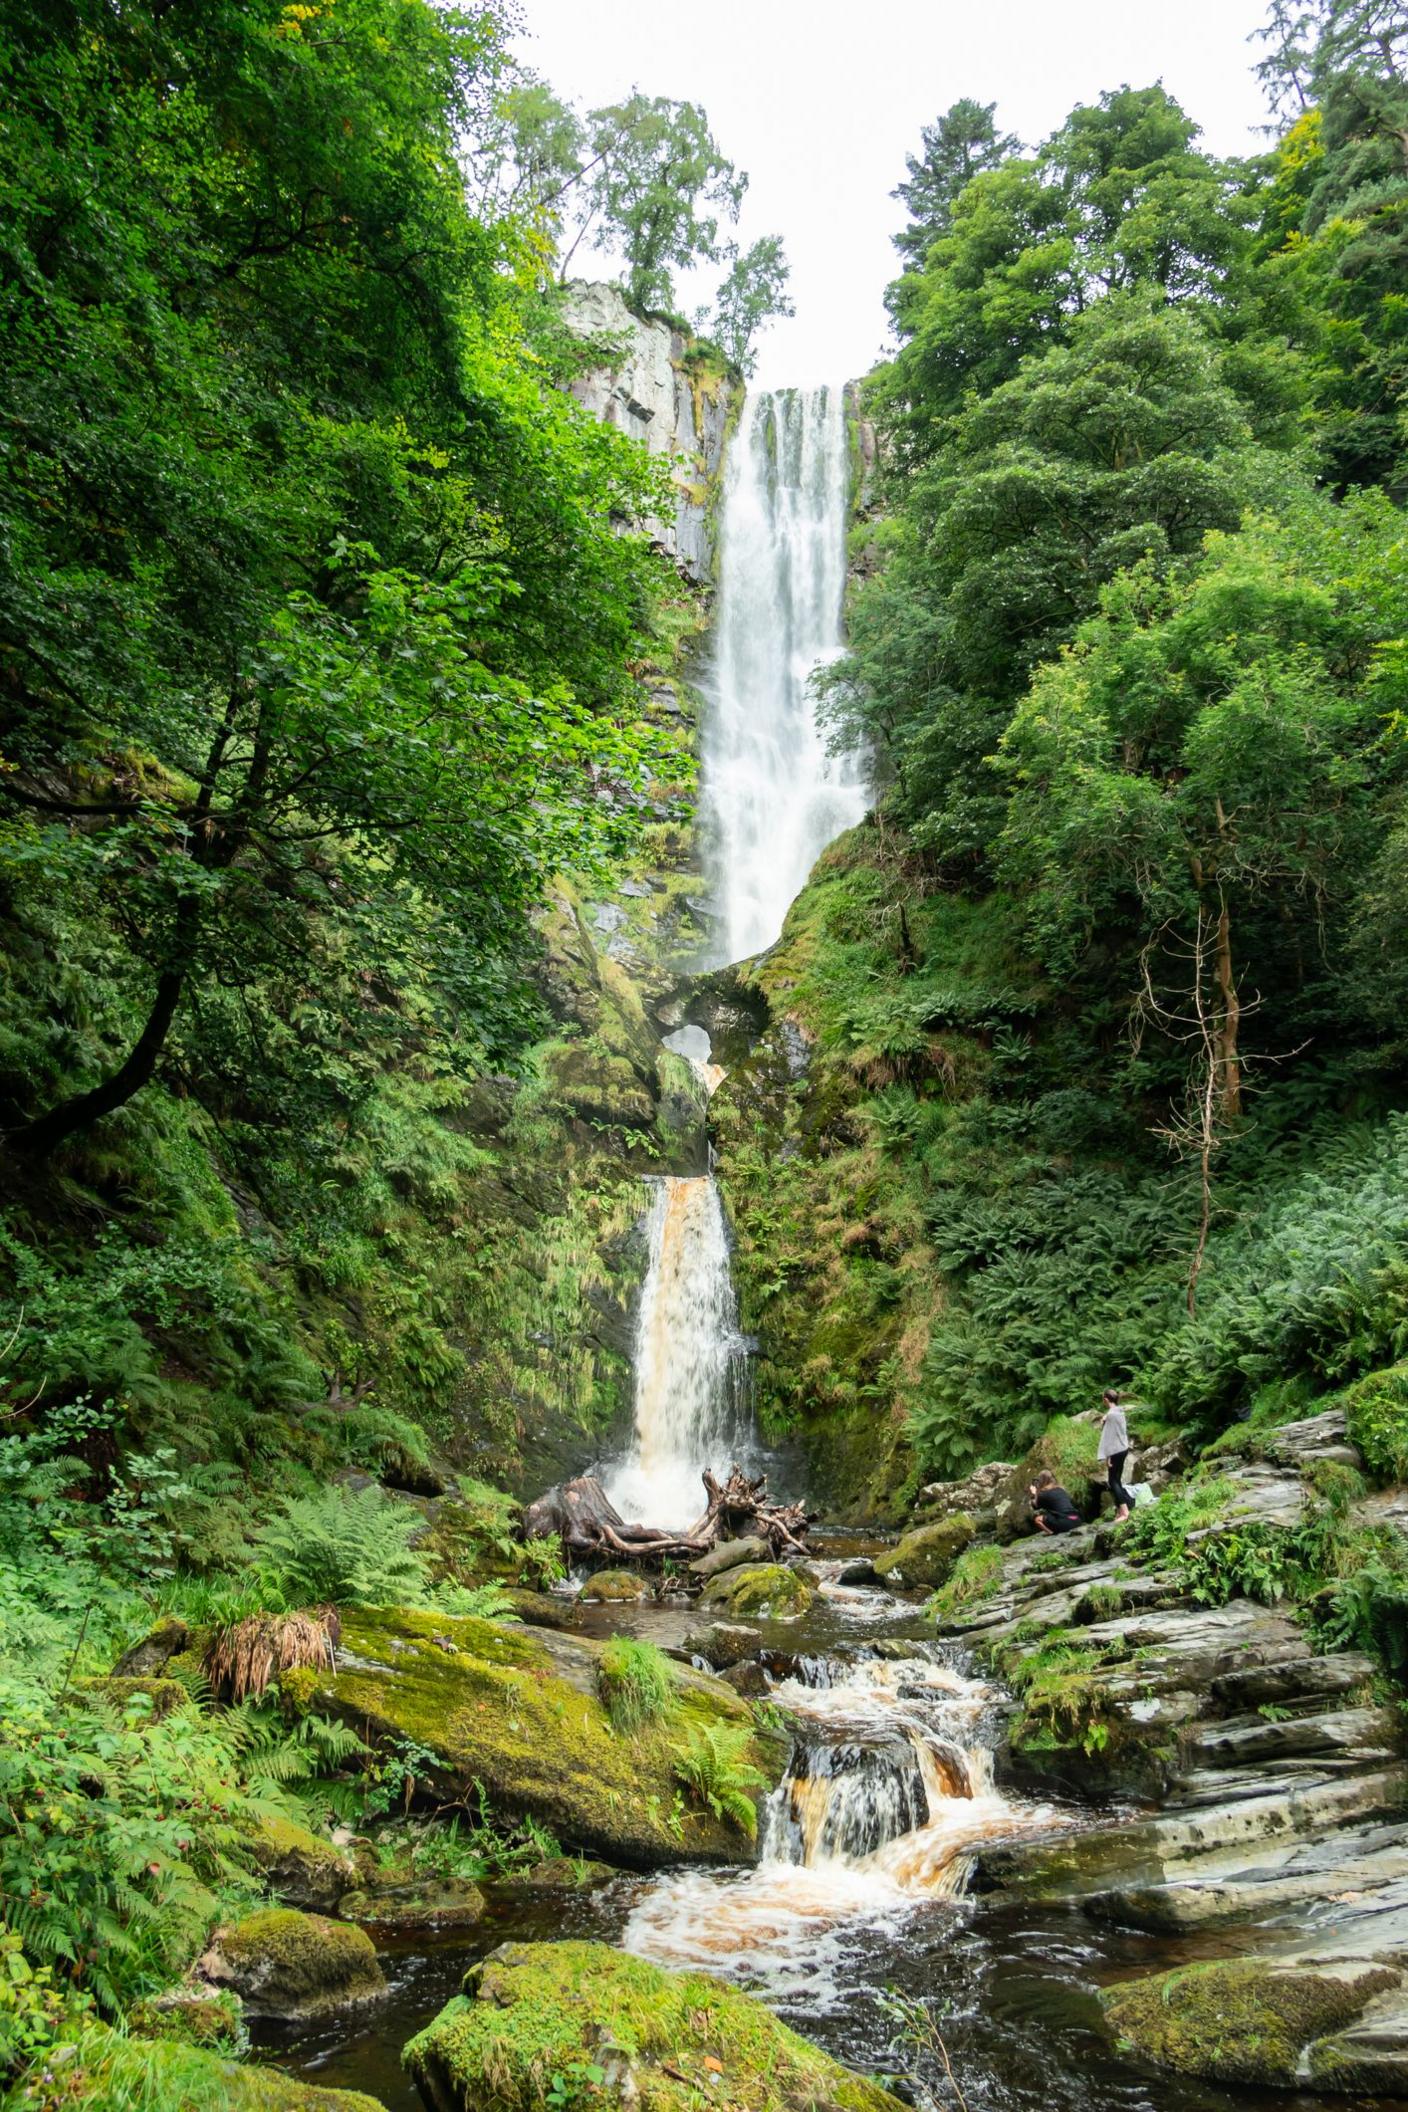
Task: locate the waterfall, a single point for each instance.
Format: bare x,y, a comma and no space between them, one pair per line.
772,797
690,1361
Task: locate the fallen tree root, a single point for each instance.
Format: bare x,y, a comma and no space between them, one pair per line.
586,1521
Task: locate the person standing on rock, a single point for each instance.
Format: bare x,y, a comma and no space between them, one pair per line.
1114,1450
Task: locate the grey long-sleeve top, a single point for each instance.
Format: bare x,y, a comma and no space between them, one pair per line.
1114,1434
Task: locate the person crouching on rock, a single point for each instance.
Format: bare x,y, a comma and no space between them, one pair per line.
1114,1450
1052,1508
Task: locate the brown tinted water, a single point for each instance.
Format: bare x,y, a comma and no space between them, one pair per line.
859,1894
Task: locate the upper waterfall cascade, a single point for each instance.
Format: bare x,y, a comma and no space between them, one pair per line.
772,796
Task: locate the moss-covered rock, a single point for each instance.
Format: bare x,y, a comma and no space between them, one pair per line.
765,1590
924,1558
285,1964
441,1903
665,2042
155,1651
614,1587
162,1697
192,2016
560,1873
518,1710
298,1866
1253,2020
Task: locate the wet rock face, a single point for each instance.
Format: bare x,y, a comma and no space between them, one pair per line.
669,2041
648,387
284,1964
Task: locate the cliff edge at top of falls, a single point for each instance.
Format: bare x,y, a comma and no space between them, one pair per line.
675,395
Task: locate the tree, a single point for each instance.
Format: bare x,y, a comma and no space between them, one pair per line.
655,184
955,149
1124,446
313,621
1197,787
752,293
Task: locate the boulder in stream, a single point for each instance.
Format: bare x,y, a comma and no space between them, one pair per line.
428,1903
284,1964
518,1711
610,1587
731,1554
158,2071
1331,2023
641,2036
924,1558
765,1590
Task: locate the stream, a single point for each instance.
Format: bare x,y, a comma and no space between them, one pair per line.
860,1890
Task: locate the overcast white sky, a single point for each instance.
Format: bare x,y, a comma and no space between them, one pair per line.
820,103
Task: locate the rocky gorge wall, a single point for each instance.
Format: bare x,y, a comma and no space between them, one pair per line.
672,394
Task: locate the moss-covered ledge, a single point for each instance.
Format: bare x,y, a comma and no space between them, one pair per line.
517,1711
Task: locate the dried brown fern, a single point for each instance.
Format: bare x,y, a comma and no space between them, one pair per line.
242,1658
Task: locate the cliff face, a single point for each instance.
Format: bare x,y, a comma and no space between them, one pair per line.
666,392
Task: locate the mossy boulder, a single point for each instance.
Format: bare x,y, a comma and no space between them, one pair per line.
519,1711
924,1558
665,2042
299,1867
155,1651
614,1587
560,1873
1251,2020
192,2016
764,1590
160,1697
440,1903
284,1964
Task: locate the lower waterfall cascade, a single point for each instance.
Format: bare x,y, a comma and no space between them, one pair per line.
690,1360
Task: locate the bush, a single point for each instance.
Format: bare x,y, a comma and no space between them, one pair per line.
1376,1414
343,1547
636,1683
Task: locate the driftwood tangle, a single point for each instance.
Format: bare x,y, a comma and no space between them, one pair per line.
582,1514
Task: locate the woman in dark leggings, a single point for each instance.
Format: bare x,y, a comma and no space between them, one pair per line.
1114,1450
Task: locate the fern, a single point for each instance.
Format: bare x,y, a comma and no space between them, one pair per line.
712,1768
344,1548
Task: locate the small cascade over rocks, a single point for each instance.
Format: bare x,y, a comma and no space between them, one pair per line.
772,797
889,1793
691,1362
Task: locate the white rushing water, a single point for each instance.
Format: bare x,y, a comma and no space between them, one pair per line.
690,1361
889,1794
772,797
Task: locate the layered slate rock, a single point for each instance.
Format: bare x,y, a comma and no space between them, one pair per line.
667,2041
518,1711
1262,1795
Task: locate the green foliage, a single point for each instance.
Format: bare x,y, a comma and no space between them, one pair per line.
1061,1696
752,292
975,1577
1376,1416
343,1547
636,1683
711,1766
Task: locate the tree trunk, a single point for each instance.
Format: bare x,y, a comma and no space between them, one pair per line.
1229,1020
